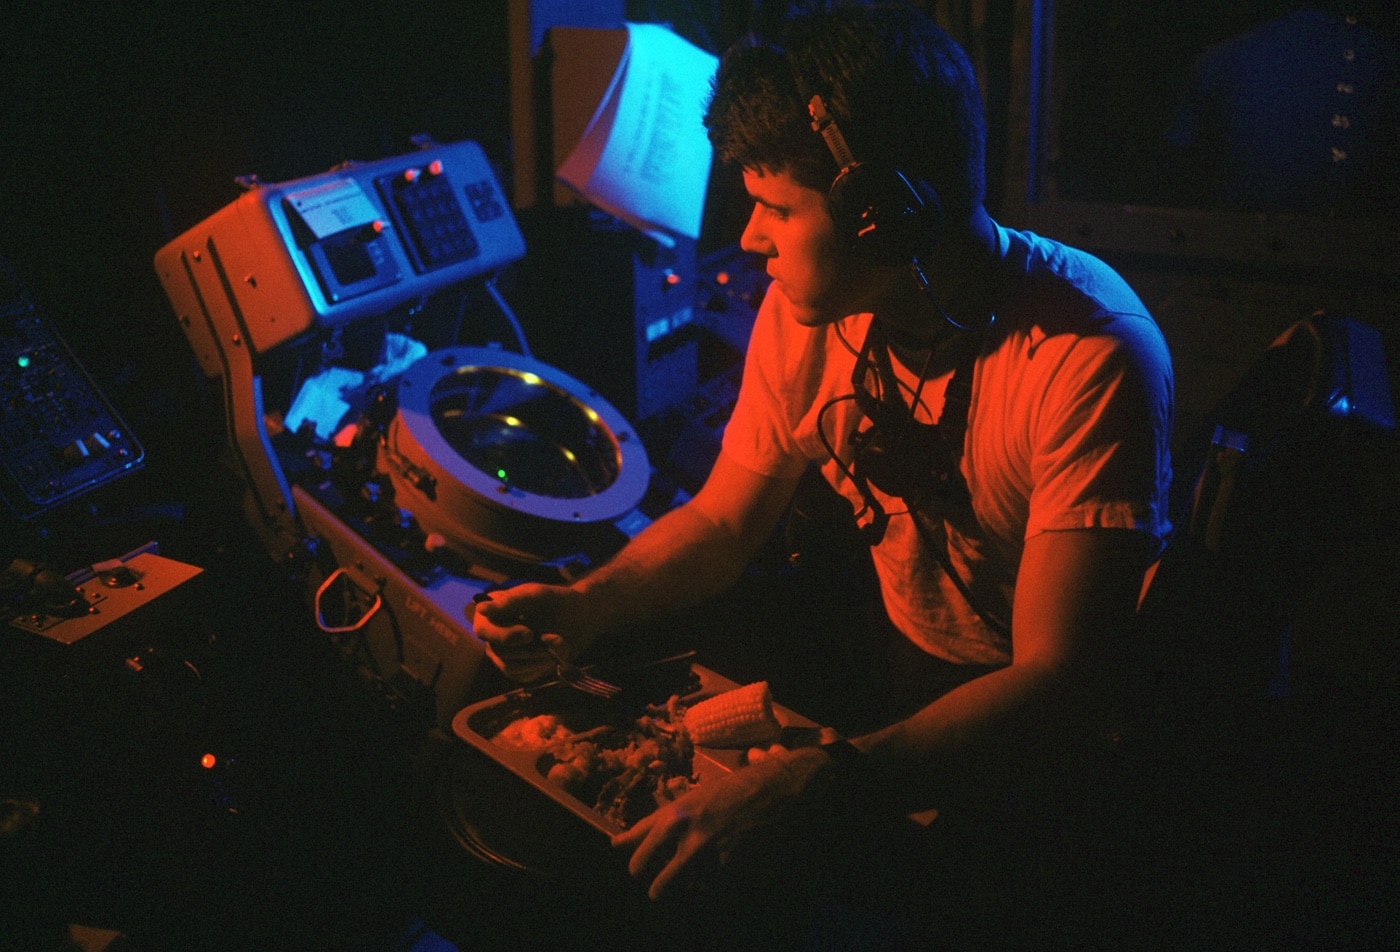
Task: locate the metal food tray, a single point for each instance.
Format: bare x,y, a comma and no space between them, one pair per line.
479,722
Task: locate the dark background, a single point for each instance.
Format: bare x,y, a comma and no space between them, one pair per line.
125,124
121,125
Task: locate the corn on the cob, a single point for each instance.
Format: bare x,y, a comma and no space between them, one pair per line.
741,717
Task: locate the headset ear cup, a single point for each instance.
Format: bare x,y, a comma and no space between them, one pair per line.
888,220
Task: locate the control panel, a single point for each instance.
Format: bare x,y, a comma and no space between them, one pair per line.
59,436
684,438
358,241
104,593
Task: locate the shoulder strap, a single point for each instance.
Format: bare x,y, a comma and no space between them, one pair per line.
957,403
957,400
938,545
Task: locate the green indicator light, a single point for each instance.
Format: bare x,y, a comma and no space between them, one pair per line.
501,475
23,362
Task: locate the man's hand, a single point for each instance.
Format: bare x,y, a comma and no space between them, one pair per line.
696,833
512,622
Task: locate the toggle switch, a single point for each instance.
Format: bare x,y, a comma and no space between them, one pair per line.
76,452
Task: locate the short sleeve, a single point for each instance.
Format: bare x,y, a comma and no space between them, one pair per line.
1101,454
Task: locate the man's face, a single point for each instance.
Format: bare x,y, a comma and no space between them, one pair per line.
809,263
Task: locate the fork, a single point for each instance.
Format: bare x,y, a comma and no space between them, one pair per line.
568,672
574,676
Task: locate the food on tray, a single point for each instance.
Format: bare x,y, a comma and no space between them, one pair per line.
742,717
625,770
529,733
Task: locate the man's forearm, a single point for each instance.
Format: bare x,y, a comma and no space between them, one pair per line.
1039,718
960,748
679,561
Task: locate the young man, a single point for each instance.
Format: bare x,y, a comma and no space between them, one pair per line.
1009,558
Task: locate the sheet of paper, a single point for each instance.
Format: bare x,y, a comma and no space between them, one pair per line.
333,207
645,157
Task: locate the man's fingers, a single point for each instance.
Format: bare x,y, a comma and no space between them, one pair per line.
694,859
509,624
517,636
629,838
665,848
656,840
523,663
662,883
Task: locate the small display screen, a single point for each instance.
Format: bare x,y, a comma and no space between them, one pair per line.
352,263
349,259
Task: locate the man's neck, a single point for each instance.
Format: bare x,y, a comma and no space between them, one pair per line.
962,273
932,357
963,270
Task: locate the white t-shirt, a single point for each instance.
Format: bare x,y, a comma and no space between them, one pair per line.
1069,427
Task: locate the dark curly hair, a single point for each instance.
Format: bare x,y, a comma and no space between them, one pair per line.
902,91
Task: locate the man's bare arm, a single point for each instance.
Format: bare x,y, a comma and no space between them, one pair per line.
1075,600
691,554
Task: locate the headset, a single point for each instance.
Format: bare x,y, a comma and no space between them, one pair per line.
887,219
902,457
891,222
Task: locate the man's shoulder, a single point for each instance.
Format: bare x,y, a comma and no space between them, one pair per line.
1063,289
1047,262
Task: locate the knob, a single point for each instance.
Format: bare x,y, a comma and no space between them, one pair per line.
120,577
